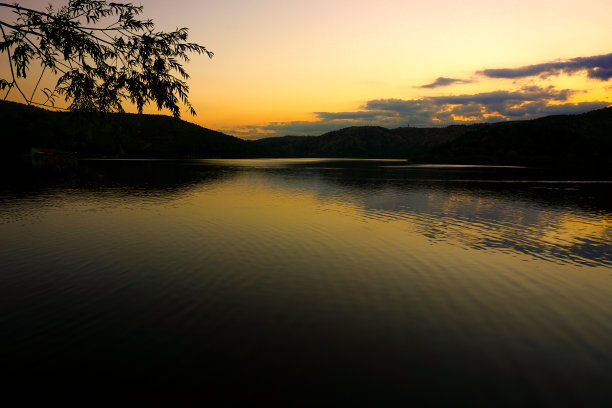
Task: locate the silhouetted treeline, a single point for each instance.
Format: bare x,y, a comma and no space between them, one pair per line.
574,141
555,141
364,141
113,134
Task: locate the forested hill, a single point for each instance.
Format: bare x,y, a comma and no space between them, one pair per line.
583,140
365,141
563,140
113,134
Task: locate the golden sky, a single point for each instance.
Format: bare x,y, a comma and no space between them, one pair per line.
288,67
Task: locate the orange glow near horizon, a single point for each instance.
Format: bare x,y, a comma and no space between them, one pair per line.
276,63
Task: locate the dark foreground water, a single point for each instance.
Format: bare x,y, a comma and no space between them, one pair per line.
304,282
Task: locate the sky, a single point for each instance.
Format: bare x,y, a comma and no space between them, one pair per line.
308,67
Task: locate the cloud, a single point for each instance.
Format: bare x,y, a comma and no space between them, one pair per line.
525,94
292,128
299,128
597,67
442,81
358,115
325,122
539,108
496,99
526,103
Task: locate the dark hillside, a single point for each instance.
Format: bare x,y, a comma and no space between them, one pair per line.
571,141
363,142
113,134
287,146
574,141
568,140
420,140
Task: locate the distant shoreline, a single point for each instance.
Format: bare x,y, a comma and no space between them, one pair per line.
581,142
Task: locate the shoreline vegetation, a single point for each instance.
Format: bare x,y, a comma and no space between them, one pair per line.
582,141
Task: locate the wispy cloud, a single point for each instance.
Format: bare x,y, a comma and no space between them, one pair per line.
442,81
524,103
596,67
357,115
292,128
325,122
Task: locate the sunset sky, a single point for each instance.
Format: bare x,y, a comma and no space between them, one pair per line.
285,67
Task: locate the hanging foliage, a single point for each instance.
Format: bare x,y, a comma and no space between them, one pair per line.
101,53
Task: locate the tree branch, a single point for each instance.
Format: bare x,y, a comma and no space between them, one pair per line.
14,83
17,28
110,57
10,87
20,8
37,82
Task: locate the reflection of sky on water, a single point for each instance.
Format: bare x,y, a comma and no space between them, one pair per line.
561,221
352,272
541,218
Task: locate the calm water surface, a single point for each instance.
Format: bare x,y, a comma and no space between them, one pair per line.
305,282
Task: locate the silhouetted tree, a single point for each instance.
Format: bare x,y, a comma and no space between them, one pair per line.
102,54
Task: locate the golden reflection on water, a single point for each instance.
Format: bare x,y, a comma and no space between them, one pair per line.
277,208
458,218
477,267
474,286
567,229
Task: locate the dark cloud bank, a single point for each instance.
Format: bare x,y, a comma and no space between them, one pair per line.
530,102
596,67
526,103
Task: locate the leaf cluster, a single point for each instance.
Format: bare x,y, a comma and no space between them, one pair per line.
102,53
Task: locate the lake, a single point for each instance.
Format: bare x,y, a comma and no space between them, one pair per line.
305,282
